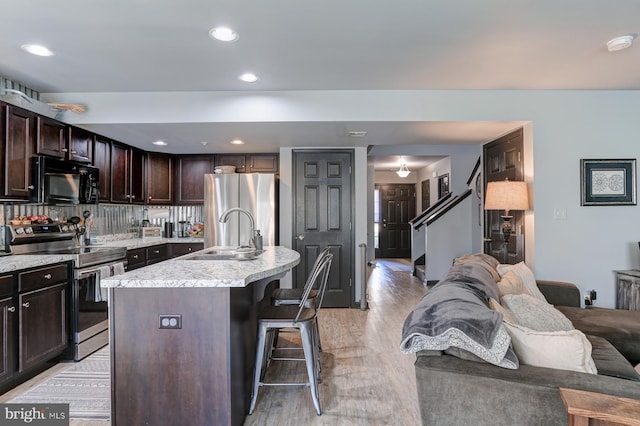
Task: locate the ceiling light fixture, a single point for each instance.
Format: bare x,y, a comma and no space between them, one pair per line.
36,49
248,77
223,34
403,172
620,43
160,143
237,142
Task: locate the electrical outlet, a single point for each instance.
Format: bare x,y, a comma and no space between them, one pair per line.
170,322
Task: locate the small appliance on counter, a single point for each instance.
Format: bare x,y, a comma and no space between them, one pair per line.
168,229
183,228
5,240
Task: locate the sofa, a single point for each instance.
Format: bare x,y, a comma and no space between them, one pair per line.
473,365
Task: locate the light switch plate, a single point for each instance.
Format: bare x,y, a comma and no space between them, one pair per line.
560,213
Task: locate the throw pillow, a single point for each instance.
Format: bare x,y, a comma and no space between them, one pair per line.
563,350
535,314
510,283
506,315
527,276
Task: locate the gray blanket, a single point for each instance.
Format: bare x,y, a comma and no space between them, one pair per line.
455,313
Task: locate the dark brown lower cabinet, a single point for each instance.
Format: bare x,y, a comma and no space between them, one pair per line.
179,249
34,321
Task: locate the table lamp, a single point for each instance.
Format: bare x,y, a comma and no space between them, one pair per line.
506,195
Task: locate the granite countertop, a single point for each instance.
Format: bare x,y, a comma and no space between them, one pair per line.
24,261
180,272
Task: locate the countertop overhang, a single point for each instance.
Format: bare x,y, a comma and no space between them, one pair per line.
181,272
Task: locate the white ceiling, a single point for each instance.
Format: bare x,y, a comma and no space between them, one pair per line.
145,46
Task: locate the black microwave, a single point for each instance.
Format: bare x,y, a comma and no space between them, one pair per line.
64,182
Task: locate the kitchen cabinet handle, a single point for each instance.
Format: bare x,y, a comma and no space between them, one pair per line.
135,256
74,152
133,197
11,309
25,304
47,276
31,187
65,150
156,251
189,249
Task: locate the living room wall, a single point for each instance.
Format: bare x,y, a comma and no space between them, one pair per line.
565,126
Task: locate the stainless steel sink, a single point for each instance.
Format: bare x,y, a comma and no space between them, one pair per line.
217,254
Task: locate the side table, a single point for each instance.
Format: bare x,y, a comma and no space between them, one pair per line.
628,290
590,408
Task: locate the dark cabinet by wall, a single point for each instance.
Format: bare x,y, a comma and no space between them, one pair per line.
136,258
8,342
156,254
127,174
102,160
159,178
190,173
17,138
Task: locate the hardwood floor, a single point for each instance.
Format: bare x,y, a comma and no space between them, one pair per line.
366,380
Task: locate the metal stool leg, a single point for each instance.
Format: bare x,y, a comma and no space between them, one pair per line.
260,353
311,360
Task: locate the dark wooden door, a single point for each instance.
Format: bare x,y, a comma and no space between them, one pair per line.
20,145
102,160
120,172
190,173
159,178
43,324
51,138
137,184
503,158
323,215
398,206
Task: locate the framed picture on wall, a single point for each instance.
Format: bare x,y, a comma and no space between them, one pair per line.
608,182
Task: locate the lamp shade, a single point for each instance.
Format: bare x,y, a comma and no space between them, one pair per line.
404,171
506,195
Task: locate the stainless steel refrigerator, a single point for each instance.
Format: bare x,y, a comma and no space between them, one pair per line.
254,192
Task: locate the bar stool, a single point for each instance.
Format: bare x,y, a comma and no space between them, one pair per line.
272,319
293,296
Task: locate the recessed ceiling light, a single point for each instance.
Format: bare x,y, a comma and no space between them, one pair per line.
620,43
237,142
248,77
223,34
357,134
36,49
160,143
204,143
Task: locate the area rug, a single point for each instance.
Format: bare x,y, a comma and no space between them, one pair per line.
84,385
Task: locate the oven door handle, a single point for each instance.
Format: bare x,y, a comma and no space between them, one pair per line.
83,273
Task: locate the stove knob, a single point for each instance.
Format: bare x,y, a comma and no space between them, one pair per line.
28,230
19,231
65,228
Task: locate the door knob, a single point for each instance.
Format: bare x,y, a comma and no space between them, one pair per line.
300,237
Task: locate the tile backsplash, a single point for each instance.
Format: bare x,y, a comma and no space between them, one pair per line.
109,218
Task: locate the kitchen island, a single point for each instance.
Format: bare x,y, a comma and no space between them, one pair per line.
182,337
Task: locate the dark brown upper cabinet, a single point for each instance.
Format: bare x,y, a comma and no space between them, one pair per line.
80,145
18,142
57,139
190,171
249,163
127,174
159,178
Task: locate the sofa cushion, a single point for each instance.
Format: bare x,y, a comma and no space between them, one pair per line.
564,350
456,314
609,361
510,283
535,314
506,314
621,328
527,276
